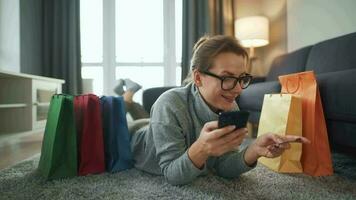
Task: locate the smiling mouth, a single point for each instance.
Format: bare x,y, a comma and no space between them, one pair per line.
229,99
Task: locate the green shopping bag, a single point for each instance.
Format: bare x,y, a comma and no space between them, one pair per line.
59,145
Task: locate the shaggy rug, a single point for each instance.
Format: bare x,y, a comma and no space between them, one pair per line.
21,182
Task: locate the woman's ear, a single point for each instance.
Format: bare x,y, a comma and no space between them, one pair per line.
197,78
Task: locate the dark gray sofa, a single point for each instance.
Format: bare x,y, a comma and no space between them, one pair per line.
334,63
251,98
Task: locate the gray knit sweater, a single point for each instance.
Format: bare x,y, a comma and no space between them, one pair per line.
177,118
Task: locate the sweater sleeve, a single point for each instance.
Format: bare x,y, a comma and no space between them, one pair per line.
167,124
232,164
172,154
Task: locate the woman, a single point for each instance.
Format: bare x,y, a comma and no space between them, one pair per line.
182,140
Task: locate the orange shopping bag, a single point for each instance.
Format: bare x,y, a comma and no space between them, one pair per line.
316,157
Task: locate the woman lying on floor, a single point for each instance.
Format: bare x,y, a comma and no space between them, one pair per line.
181,140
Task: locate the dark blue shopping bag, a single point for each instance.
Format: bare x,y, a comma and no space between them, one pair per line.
118,155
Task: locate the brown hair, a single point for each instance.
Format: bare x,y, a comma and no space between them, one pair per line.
208,47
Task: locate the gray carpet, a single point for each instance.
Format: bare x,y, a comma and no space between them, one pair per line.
21,182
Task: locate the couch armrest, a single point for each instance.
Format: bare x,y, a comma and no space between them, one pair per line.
150,95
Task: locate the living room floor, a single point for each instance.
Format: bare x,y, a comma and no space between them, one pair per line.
15,148
19,146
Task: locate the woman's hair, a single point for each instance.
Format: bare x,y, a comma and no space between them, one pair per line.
207,48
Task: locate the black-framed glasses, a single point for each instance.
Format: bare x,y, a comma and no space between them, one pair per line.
230,82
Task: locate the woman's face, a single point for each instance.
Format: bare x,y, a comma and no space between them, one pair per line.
225,64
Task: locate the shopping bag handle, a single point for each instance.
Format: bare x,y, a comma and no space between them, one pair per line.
299,83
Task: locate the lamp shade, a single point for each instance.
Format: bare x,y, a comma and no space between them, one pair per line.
252,31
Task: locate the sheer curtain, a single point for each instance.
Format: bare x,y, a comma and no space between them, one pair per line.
201,17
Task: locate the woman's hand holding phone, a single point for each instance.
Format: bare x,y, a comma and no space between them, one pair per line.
214,141
218,141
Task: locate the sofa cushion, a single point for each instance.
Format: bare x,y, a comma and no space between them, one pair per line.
333,55
288,63
254,116
342,135
337,90
252,97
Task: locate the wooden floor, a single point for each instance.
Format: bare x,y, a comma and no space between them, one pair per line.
19,146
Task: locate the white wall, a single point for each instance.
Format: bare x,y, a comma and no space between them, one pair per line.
10,35
312,21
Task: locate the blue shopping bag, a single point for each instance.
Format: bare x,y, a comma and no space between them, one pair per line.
118,155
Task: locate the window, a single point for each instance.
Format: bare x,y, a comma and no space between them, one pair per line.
136,39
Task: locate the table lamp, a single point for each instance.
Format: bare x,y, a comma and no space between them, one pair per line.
252,32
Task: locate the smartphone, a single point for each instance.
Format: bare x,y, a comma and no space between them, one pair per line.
237,118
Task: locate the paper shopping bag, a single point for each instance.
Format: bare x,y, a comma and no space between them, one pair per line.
89,134
282,114
316,157
118,155
59,145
